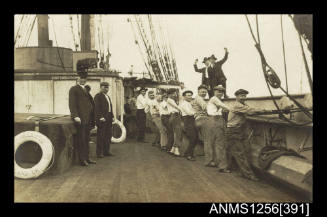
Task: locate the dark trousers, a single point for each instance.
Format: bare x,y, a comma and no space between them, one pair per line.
236,139
141,121
104,134
191,133
82,141
170,132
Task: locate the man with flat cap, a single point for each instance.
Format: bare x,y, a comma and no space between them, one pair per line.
81,110
215,149
199,104
235,132
140,114
104,118
216,74
204,71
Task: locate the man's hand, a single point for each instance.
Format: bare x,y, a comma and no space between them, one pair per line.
113,120
196,62
225,49
102,119
78,120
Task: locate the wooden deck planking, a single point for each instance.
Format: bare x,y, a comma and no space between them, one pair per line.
141,173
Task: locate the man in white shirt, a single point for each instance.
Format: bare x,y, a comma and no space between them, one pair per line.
164,116
175,123
189,124
155,112
150,103
140,114
215,150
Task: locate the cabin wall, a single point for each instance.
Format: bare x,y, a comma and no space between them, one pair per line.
43,58
50,96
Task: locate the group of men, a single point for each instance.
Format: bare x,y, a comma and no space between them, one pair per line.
223,138
88,112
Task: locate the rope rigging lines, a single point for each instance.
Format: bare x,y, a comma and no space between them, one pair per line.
18,31
160,60
272,78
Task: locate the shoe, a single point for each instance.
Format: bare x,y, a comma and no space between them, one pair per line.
163,148
211,164
91,161
100,156
224,171
84,163
190,158
176,152
172,150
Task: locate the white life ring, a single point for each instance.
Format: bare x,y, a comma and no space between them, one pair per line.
123,133
47,154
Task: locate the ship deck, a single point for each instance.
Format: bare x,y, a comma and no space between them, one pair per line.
141,173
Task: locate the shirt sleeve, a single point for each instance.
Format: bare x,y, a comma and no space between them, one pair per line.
218,102
245,109
173,103
187,109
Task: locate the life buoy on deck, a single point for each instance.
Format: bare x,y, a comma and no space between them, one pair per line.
47,154
123,132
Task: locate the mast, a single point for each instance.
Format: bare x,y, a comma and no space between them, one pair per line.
43,31
87,32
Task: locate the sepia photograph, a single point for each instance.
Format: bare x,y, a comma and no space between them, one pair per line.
163,108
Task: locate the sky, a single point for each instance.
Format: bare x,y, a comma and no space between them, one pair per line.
194,37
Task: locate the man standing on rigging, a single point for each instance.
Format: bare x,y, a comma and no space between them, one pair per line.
204,71
216,74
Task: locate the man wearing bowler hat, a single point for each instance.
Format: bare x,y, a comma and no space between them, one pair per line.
235,132
104,118
216,74
81,110
141,103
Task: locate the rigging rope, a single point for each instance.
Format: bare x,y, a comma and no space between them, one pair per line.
272,79
20,25
72,28
284,56
30,32
140,49
306,64
54,32
79,31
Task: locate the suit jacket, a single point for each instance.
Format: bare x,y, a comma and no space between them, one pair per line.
216,74
102,108
203,71
80,105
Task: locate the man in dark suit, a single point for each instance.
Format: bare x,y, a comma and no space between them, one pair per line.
104,118
82,113
216,74
204,71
